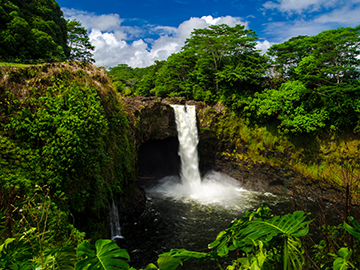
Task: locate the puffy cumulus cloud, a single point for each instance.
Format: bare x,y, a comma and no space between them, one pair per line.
108,22
112,39
299,6
263,46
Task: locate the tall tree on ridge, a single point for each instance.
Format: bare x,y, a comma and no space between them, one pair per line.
79,42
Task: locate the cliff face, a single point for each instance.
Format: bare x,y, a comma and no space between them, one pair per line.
258,157
62,126
153,126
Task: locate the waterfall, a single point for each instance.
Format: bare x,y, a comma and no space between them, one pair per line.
185,117
114,221
213,188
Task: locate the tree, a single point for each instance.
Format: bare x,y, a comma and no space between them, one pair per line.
287,55
329,58
79,42
174,77
212,45
147,82
126,79
32,30
328,66
216,63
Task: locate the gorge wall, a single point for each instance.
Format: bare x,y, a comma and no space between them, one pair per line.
153,126
64,126
258,157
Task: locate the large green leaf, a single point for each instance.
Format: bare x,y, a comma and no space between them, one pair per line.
168,263
290,225
184,254
165,262
288,228
354,231
106,256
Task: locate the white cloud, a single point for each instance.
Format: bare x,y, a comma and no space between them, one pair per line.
108,22
343,16
263,46
282,31
111,38
300,6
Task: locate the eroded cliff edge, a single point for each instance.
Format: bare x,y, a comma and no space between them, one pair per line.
256,156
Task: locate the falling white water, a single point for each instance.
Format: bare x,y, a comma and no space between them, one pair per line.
215,188
114,221
185,117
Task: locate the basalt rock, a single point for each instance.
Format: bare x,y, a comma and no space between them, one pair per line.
152,122
221,148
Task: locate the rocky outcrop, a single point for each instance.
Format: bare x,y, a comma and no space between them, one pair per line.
257,159
152,122
152,118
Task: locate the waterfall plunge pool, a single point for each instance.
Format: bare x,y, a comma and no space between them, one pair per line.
174,218
186,211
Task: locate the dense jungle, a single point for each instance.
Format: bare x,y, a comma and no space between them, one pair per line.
71,134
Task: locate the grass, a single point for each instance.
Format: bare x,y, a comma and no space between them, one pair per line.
14,64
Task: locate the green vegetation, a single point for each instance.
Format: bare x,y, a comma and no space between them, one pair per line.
66,148
218,63
32,30
63,126
127,79
14,64
304,86
296,107
261,241
35,31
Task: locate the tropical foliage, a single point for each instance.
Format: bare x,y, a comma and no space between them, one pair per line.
65,142
67,134
260,239
32,30
306,85
214,64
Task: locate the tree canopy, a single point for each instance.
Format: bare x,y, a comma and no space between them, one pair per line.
32,30
305,85
327,65
216,63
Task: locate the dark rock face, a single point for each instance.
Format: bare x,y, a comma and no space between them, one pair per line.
150,118
153,126
159,158
152,122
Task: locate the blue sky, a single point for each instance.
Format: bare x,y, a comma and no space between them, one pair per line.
139,32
